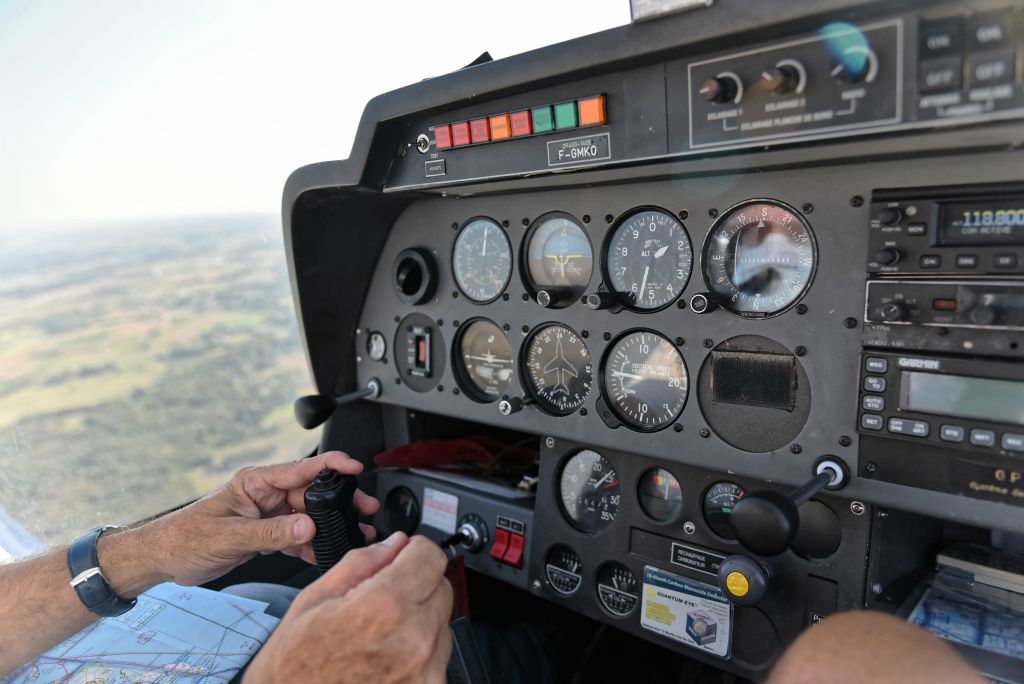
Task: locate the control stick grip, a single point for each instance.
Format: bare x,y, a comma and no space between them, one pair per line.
329,502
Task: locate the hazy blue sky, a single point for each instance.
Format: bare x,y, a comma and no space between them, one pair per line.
117,109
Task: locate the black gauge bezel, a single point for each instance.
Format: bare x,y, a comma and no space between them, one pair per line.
561,503
722,218
625,421
640,502
524,374
597,589
388,512
547,578
458,364
621,297
524,253
511,256
703,515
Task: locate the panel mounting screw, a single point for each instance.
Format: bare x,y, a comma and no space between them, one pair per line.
807,207
526,329
800,351
549,442
705,433
850,323
795,448
856,201
526,297
677,427
607,336
526,221
680,341
455,226
801,309
583,411
608,218
536,585
845,440
708,343
689,527
683,214
584,334
586,218
712,212
871,467
857,508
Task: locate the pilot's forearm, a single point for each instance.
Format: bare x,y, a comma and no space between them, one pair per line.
38,607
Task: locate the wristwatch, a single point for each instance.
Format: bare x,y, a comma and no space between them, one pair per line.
87,579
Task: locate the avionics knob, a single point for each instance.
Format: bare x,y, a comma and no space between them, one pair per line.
983,315
893,311
509,405
887,256
547,298
889,216
743,580
720,89
780,79
599,300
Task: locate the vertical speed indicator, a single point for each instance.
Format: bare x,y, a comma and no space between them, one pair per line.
759,258
648,259
644,380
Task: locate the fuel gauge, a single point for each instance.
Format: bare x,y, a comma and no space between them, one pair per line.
617,589
718,504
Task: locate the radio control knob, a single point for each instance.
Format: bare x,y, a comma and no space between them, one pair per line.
889,216
780,79
887,256
983,315
720,89
893,311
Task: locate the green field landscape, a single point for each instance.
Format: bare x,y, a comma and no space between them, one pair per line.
140,365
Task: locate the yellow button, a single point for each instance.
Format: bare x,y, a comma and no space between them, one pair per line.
737,583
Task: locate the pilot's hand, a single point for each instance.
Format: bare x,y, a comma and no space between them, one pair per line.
260,510
380,615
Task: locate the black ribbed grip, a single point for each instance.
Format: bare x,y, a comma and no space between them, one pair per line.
329,504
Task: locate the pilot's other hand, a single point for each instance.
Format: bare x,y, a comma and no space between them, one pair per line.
380,615
260,510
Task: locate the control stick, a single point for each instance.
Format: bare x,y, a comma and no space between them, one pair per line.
329,502
766,522
312,410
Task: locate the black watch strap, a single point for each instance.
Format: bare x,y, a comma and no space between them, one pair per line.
87,579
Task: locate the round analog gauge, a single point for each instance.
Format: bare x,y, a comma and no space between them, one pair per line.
482,260
648,259
559,258
402,510
483,360
645,381
617,589
590,492
718,504
661,497
557,369
759,258
376,346
564,569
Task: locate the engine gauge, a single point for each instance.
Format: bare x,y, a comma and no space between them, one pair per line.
617,589
483,360
482,260
661,497
557,370
759,258
589,490
564,570
648,259
644,380
559,258
719,501
402,510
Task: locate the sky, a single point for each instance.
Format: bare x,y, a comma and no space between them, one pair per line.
114,110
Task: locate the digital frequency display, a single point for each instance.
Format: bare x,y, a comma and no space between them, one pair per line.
982,223
1000,401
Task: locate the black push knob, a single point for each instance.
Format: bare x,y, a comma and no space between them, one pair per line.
766,523
887,256
701,303
743,580
509,405
599,300
547,298
889,216
329,503
893,312
780,79
719,89
983,315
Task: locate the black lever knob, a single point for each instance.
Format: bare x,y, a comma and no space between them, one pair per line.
743,580
312,410
329,503
766,523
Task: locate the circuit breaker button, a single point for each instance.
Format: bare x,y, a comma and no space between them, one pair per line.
514,555
500,545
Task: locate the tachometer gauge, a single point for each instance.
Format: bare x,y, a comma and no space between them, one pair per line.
559,259
557,371
564,569
482,260
648,259
644,380
661,497
590,492
759,258
483,360
617,589
718,504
